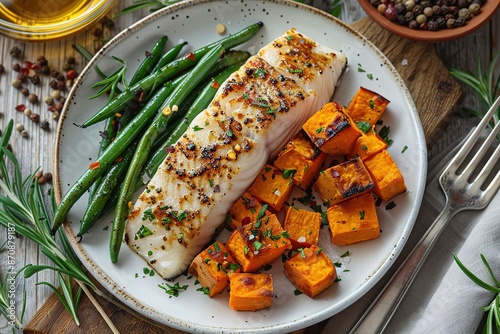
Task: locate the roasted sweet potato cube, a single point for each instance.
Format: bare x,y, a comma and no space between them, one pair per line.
343,181
332,130
367,145
257,244
302,158
310,270
250,292
302,226
272,186
367,106
353,220
386,175
245,211
211,267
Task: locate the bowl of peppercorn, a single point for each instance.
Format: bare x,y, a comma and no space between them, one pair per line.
430,20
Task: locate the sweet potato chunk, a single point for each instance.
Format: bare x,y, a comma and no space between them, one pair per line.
302,226
343,181
311,271
353,220
367,145
331,130
302,158
367,106
257,244
211,267
272,186
387,177
245,211
250,292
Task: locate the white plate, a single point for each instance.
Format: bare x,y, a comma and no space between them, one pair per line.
195,22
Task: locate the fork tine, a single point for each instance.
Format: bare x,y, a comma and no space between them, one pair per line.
474,162
485,172
472,139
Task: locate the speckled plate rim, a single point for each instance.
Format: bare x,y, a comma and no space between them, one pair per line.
489,9
162,318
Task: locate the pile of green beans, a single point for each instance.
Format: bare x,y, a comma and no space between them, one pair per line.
138,147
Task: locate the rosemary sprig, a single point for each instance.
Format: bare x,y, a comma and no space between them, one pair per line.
486,87
110,83
24,210
153,6
492,324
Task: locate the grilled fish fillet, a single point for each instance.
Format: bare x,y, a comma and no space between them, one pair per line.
253,115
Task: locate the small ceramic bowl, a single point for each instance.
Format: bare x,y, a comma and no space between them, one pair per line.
488,9
51,19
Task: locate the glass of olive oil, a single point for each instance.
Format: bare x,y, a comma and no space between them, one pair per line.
43,20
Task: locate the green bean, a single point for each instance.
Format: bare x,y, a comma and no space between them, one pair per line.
198,106
168,71
104,190
168,56
113,151
193,78
152,57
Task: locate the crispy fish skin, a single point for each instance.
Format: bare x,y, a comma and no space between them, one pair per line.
255,112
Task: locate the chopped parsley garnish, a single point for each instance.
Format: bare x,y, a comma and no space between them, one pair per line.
216,247
173,290
257,245
205,290
404,149
318,130
259,73
197,128
301,252
361,215
143,232
372,104
390,205
148,214
288,173
364,126
295,70
346,254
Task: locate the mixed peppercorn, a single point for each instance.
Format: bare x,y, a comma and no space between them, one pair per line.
429,14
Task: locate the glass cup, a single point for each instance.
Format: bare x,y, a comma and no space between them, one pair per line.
43,20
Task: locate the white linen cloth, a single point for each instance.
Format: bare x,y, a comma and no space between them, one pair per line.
442,299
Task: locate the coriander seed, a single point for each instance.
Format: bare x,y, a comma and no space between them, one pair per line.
27,112
19,127
35,118
33,98
24,133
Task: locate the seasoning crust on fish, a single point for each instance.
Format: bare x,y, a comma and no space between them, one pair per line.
253,115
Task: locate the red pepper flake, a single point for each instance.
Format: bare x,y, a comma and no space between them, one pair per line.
51,108
190,56
25,71
215,84
95,165
20,107
141,96
118,159
169,149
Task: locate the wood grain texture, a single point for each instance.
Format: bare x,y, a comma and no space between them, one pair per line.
435,94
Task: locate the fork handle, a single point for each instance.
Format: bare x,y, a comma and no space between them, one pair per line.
377,316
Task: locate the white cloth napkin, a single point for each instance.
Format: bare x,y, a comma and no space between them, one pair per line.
442,299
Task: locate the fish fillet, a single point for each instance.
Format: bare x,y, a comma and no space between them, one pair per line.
253,115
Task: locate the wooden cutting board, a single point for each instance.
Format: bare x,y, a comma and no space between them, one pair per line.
435,93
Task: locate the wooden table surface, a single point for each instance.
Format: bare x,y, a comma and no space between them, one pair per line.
38,149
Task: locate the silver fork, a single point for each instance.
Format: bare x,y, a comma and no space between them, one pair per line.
461,194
